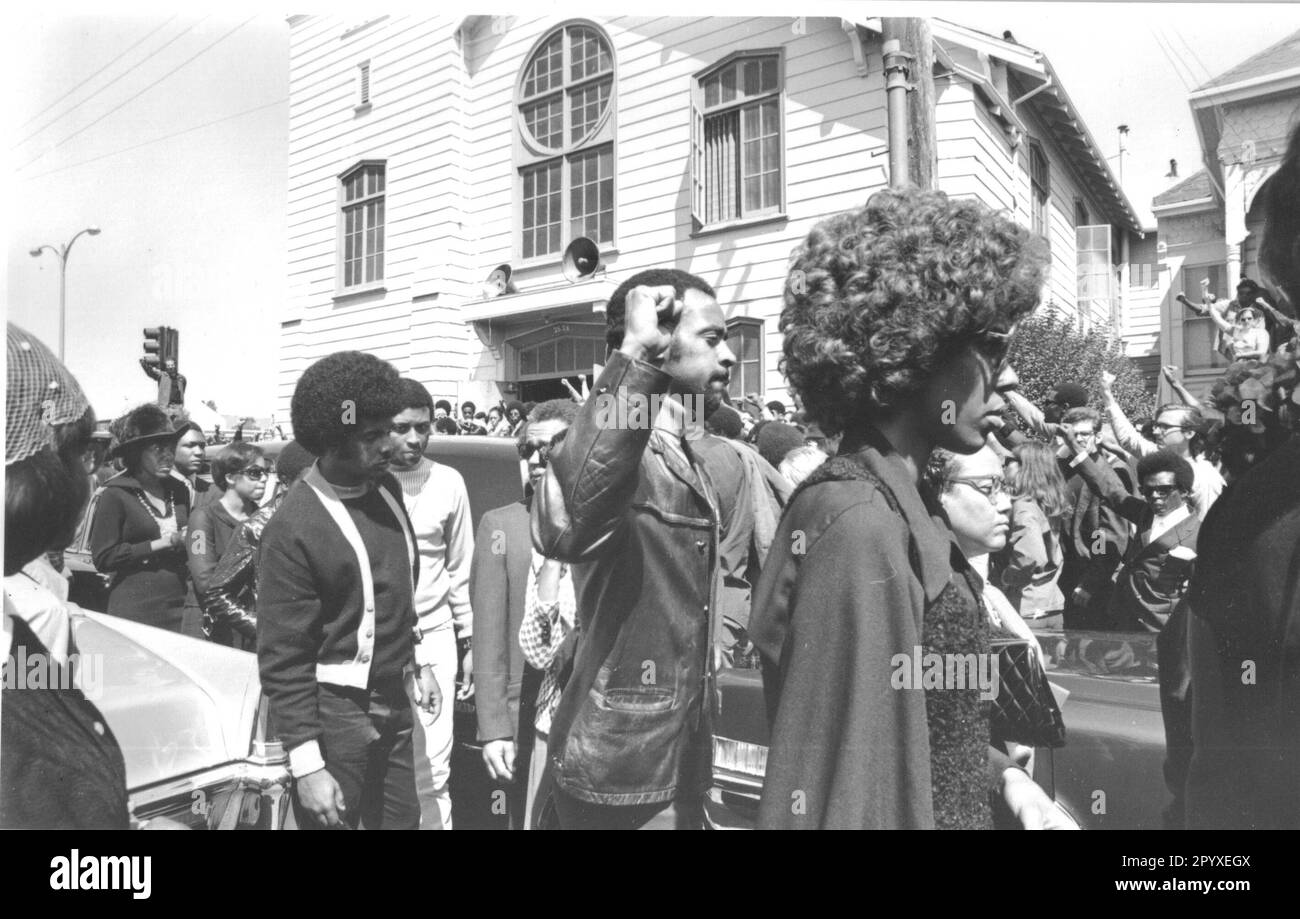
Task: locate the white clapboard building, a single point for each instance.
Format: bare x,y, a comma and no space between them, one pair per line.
426,153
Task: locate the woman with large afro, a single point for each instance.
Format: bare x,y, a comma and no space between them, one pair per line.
897,321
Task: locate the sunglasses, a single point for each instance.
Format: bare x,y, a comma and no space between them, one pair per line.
253,473
1158,491
421,428
995,347
990,486
528,448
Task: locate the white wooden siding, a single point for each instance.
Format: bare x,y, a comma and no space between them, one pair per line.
443,117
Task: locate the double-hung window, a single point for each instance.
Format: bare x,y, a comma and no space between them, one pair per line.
362,219
737,140
566,141
745,339
1040,191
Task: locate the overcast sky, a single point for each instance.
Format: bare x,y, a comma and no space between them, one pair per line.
169,131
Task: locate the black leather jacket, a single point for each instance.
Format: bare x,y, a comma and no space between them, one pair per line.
632,726
230,602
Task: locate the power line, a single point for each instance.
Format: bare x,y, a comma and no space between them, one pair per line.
150,86
1223,122
156,140
87,80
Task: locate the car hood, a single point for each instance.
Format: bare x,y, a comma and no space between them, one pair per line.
177,705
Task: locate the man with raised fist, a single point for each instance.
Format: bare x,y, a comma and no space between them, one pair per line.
629,744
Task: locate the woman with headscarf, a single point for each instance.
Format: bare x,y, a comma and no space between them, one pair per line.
138,533
896,334
60,765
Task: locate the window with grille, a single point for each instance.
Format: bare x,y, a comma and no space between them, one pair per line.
566,141
745,339
363,225
1040,194
737,143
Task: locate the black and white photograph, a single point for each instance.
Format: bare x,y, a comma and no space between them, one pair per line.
792,416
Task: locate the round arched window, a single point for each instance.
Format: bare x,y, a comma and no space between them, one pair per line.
565,149
566,88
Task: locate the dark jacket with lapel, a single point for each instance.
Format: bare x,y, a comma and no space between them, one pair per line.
632,726
1152,580
1095,539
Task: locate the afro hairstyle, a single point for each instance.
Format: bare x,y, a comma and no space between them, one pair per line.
1168,461
880,298
340,392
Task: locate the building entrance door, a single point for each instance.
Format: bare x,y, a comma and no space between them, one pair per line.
542,390
542,358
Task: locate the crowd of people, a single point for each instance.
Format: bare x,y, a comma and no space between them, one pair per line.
899,508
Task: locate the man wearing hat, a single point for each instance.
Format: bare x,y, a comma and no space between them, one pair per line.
138,532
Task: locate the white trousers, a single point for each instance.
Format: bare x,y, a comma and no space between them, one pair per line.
432,739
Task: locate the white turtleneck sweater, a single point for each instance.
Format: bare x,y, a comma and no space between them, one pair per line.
438,506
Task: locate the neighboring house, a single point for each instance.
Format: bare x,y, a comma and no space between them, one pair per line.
1209,224
425,153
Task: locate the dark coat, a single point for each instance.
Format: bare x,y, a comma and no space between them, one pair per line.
1244,638
1153,577
61,766
632,726
498,579
1091,526
147,586
855,578
218,528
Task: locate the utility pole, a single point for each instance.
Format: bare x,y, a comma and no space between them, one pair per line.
909,87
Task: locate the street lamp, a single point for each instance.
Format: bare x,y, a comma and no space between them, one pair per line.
62,253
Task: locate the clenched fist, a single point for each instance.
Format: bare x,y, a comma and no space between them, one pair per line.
651,315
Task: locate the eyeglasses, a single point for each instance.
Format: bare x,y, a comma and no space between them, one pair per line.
1159,491
404,427
528,448
990,486
1084,435
1166,428
253,473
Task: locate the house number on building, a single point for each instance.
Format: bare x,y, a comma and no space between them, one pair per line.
560,330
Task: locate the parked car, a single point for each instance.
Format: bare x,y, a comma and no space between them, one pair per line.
192,724
190,715
1109,774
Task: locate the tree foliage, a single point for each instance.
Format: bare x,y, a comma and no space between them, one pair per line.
1051,348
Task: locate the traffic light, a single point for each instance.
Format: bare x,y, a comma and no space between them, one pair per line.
171,356
154,343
